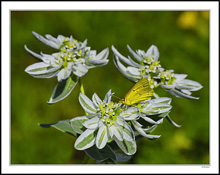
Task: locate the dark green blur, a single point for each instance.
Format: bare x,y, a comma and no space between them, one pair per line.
183,42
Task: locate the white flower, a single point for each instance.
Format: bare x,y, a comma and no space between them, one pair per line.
152,111
108,121
102,124
147,65
73,60
74,57
60,42
181,87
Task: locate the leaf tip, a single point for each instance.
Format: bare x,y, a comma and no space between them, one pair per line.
50,102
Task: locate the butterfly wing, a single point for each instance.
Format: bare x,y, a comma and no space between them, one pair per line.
139,92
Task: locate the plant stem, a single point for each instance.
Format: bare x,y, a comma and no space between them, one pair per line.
82,90
81,86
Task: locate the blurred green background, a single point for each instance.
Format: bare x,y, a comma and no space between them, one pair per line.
182,38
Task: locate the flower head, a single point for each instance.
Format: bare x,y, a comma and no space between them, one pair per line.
146,64
108,121
73,57
178,86
73,60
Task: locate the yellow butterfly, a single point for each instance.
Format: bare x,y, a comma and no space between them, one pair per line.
139,92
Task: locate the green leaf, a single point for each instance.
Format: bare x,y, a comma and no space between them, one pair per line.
113,145
63,89
86,139
77,124
63,125
123,157
128,147
101,154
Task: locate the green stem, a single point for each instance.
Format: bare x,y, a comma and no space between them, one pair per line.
82,90
81,86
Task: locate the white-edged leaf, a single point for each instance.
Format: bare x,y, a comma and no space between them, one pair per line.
149,120
102,137
60,39
153,52
186,91
120,120
96,100
108,97
79,70
50,59
123,70
131,117
39,57
83,44
51,38
171,121
142,132
180,76
136,56
63,126
41,68
63,89
161,100
167,87
46,75
102,55
91,123
116,131
134,63
87,104
156,108
45,41
127,61
130,113
134,71
64,73
188,85
150,129
77,124
183,95
96,63
173,93
85,140
128,147
128,133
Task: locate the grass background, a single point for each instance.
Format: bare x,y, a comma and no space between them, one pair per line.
182,38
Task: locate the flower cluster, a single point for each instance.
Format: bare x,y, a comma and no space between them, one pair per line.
147,65
109,121
73,58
